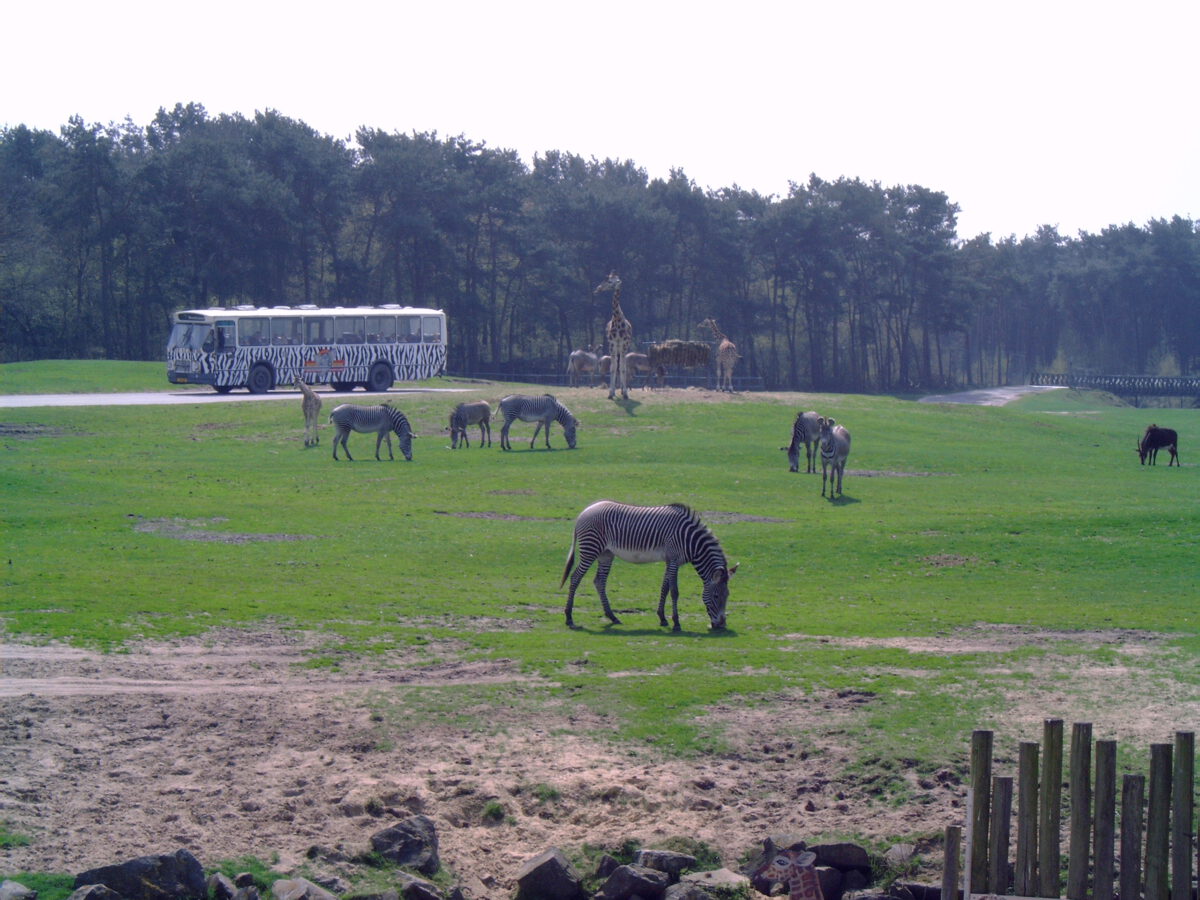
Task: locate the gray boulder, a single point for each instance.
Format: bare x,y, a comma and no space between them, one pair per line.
11,890
549,876
94,892
174,876
414,888
299,889
634,881
665,861
412,842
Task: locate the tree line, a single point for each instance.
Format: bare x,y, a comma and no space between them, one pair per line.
843,285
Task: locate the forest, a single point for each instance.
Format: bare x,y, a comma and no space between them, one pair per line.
842,285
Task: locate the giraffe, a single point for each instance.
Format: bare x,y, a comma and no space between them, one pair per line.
620,337
794,867
311,404
727,356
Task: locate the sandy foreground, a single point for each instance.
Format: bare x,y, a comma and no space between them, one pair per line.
228,747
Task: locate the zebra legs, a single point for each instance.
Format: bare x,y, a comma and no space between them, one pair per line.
341,436
603,563
671,583
379,439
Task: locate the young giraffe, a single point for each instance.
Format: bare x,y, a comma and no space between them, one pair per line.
727,356
311,404
794,867
620,337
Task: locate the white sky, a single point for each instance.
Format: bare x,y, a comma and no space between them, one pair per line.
1075,114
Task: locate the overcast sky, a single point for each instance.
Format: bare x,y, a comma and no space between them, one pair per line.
1074,114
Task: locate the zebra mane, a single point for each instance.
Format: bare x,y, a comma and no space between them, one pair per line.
692,515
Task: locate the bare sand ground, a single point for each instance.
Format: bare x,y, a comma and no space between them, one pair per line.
229,747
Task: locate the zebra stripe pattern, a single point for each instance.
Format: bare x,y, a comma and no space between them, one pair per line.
672,534
382,420
543,410
806,430
835,447
477,413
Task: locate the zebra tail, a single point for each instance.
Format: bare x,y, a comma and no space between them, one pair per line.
570,563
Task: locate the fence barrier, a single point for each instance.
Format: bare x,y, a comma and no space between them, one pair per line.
1122,385
1155,839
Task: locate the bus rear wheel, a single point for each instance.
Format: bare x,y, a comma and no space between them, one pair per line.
261,380
380,378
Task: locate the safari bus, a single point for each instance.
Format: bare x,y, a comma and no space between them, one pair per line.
258,348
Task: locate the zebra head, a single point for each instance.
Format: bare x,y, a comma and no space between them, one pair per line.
716,595
569,425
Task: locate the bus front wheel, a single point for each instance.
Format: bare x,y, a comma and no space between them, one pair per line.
380,378
261,380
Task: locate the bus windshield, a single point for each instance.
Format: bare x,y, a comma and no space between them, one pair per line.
189,336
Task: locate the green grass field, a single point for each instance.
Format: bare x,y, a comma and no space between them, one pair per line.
157,521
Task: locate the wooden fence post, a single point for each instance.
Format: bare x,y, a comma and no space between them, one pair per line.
1133,795
1081,810
981,778
1183,783
1105,819
1158,817
999,871
1025,878
1050,812
950,862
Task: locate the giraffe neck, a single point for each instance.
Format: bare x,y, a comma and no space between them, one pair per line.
618,315
804,885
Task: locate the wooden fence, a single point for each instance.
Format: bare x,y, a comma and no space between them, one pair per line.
1145,849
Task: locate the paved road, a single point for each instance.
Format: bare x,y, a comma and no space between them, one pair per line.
192,395
997,396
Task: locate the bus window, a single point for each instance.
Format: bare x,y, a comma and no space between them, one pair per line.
381,329
286,332
254,332
190,336
410,330
225,331
431,328
318,330
351,330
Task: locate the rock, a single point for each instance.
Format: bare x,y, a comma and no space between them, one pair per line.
548,876
414,888
899,855
172,876
634,881
299,889
842,856
412,843
717,880
94,892
666,861
221,887
832,882
607,866
686,891
11,890
244,880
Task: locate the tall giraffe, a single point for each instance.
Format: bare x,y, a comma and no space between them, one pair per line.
727,356
311,404
620,337
793,866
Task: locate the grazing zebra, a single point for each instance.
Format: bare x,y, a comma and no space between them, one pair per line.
477,413
835,447
543,410
672,534
806,430
382,420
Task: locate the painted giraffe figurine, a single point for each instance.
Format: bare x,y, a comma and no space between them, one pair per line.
620,337
727,356
311,404
794,867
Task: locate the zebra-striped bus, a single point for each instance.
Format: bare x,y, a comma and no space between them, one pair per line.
259,347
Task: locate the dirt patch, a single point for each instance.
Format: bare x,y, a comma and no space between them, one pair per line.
874,473
236,744
198,530
503,517
28,431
